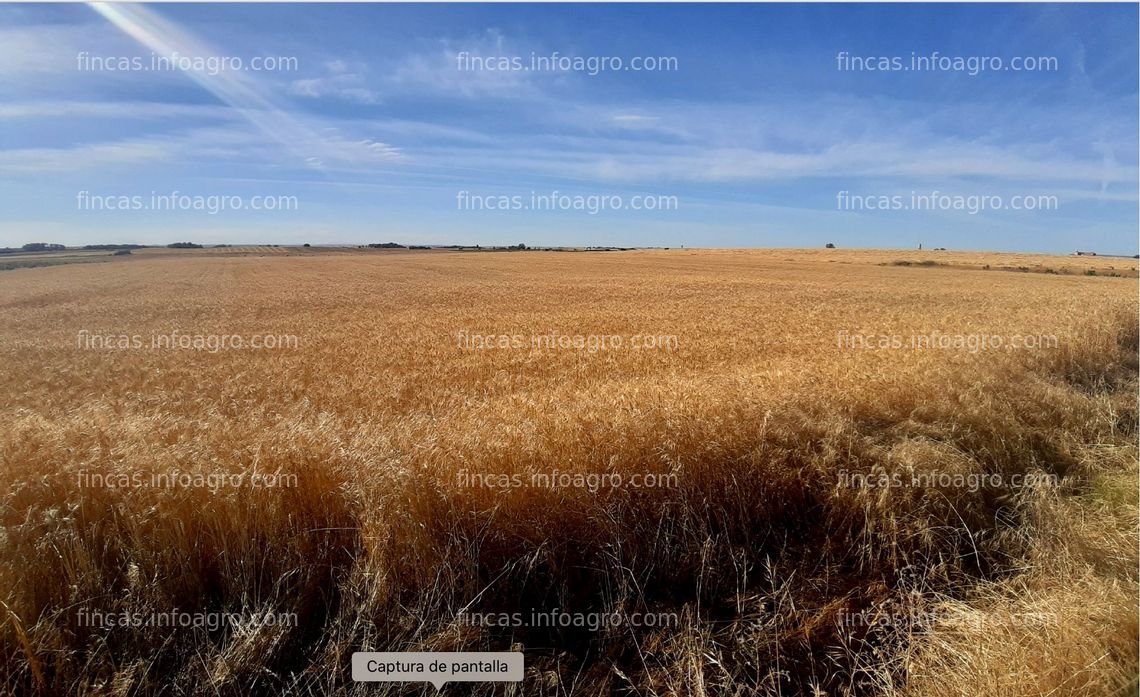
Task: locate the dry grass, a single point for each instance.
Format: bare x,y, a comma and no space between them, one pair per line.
759,551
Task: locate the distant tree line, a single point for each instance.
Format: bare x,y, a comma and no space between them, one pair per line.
53,247
34,247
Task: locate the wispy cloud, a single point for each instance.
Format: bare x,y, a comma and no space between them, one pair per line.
459,68
338,82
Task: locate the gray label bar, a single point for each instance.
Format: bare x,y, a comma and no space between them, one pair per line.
437,667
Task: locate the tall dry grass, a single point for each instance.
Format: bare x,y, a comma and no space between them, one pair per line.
379,418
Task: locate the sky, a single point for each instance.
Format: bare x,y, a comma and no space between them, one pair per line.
761,125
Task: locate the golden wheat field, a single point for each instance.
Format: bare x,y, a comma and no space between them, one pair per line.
720,472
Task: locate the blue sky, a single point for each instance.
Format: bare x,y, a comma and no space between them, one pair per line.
754,133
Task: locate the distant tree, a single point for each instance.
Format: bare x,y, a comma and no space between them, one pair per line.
307,245
183,245
829,246
43,247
